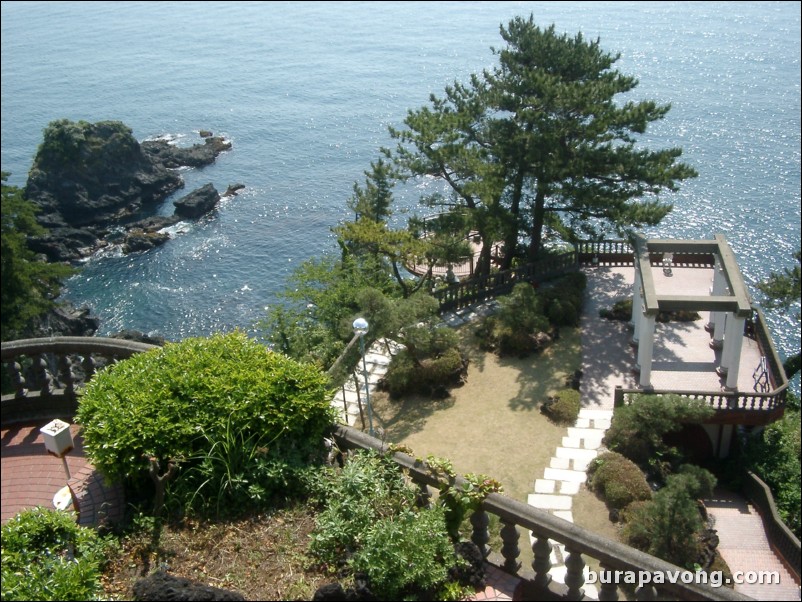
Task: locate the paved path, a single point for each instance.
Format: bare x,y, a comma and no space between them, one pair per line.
31,477
743,545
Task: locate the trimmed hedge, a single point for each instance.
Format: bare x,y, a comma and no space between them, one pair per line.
224,408
618,480
564,407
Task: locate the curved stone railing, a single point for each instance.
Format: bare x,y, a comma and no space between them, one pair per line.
43,375
516,516
779,535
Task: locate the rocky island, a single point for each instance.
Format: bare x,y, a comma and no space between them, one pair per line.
95,184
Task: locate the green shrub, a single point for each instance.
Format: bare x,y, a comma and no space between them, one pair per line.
225,408
774,455
408,556
618,480
368,488
564,407
47,556
669,526
637,429
430,364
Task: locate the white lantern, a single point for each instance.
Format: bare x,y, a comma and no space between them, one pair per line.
58,438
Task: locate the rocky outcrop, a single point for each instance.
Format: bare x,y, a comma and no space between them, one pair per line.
88,180
197,203
200,155
66,320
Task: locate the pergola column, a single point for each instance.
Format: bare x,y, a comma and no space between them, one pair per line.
637,310
717,318
733,343
646,349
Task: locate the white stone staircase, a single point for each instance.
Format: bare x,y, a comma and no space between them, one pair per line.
564,476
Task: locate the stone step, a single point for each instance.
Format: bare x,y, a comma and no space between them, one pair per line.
546,501
572,442
596,414
562,463
544,486
572,476
591,438
582,423
569,487
564,514
580,458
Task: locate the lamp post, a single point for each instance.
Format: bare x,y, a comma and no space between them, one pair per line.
360,330
58,442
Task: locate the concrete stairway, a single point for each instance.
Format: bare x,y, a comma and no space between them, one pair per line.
564,476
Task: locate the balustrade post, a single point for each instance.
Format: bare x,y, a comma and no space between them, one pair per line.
608,589
15,370
647,593
574,576
89,366
542,562
65,373
423,497
43,375
509,549
480,535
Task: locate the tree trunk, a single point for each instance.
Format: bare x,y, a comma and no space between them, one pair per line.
538,219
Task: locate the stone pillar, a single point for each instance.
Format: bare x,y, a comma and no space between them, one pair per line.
646,350
717,318
733,342
637,310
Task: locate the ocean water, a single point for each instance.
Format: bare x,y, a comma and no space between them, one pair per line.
306,91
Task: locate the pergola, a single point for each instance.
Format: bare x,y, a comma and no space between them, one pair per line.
728,300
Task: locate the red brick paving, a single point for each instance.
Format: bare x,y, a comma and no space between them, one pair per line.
31,477
744,547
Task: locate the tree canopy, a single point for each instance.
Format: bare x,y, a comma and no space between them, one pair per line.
540,142
29,286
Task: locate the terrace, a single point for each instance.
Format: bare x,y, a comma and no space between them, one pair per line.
681,354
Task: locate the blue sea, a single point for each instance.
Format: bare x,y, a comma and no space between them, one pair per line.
306,91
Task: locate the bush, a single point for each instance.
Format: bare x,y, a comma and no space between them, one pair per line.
47,556
618,480
225,408
407,556
564,407
430,364
370,524
774,456
670,525
368,488
637,429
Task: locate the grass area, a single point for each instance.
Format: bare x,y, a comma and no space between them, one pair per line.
492,424
263,557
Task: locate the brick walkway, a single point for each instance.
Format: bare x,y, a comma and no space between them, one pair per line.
744,547
31,477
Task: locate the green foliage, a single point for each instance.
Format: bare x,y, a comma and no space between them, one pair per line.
29,286
618,480
669,526
638,428
774,455
526,312
459,501
47,556
73,143
370,519
236,416
565,406
782,289
540,141
430,363
407,556
368,488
